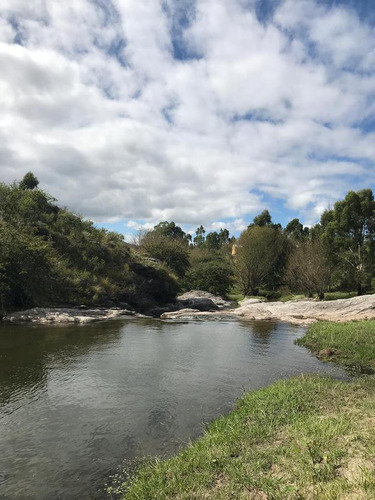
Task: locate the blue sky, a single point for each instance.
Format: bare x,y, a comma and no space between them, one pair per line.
201,112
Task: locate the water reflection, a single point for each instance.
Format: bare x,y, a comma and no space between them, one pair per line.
29,352
75,401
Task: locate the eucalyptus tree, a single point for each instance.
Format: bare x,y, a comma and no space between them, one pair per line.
348,232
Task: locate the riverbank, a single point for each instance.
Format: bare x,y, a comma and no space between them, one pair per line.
205,306
302,438
63,315
304,312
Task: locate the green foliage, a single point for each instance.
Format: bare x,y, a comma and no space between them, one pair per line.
199,238
350,344
213,276
260,258
264,219
27,267
215,240
296,231
348,231
211,271
170,230
29,181
173,252
50,256
269,294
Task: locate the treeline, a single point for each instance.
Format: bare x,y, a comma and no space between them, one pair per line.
50,256
337,254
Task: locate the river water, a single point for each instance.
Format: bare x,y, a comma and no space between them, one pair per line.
77,400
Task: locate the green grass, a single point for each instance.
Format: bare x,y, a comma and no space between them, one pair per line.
351,344
236,297
339,295
287,298
307,437
303,438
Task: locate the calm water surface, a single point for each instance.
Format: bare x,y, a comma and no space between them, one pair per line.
77,400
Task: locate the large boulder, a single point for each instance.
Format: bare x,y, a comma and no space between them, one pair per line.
203,301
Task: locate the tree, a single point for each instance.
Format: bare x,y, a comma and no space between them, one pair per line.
213,241
349,233
264,219
199,238
172,251
171,230
308,269
259,251
213,276
295,230
29,182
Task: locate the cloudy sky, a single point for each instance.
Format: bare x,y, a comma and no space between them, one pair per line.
130,112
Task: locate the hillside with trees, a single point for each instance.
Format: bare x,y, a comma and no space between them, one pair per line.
50,256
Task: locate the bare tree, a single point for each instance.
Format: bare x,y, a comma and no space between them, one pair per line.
308,268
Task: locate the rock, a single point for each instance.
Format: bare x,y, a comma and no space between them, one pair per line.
189,314
125,305
157,312
181,313
200,303
204,301
309,311
64,315
327,353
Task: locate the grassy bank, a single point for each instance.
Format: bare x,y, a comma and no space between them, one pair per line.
302,438
351,344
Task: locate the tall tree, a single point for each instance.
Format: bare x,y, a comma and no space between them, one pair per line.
29,181
259,250
170,230
199,238
349,232
308,269
295,230
264,219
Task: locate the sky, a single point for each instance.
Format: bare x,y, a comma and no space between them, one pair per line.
202,112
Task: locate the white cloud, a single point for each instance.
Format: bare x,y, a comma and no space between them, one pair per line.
95,103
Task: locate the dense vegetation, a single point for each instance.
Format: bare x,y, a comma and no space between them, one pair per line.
338,254
306,437
50,256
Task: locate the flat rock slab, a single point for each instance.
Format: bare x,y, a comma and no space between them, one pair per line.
301,312
64,315
309,311
196,314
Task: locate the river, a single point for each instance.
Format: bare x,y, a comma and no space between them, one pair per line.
75,401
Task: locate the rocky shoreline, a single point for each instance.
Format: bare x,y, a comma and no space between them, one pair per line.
302,312
200,305
58,315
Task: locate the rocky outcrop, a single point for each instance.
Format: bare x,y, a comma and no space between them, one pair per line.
64,315
303,312
203,301
188,314
309,311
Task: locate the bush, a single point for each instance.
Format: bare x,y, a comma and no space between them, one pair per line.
214,277
270,294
